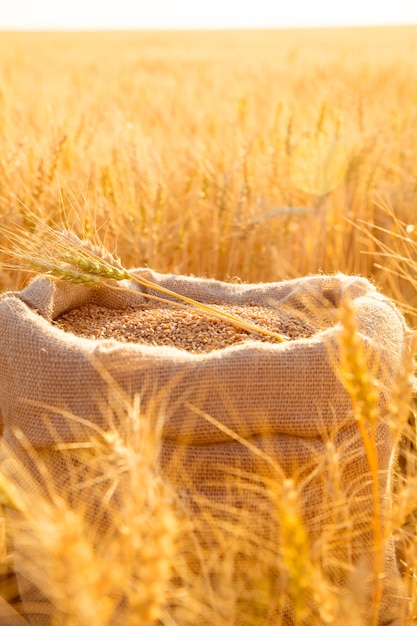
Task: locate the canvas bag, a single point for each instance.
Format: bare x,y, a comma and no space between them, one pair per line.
285,399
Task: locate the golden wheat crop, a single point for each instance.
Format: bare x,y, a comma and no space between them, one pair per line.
224,154
262,155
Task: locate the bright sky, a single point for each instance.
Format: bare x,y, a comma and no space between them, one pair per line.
173,14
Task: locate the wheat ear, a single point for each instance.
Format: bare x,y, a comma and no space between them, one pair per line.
96,261
64,256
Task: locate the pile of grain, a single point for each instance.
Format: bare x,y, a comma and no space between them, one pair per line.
186,328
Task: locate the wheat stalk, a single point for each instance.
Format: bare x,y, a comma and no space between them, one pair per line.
360,382
80,261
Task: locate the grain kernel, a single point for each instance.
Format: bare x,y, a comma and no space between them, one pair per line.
188,329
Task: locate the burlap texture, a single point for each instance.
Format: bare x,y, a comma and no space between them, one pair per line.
286,399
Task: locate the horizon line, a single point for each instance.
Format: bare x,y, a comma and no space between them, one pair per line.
45,29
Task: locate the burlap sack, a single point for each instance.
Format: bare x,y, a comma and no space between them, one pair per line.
286,400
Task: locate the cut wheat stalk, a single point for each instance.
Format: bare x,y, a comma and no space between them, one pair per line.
65,256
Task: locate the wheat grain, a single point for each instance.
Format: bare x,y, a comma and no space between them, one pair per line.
187,329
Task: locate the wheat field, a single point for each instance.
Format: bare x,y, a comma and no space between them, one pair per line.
243,156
